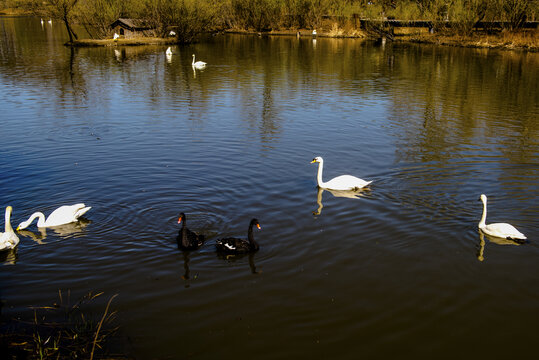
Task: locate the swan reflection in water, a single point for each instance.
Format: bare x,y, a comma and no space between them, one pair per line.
231,258
9,257
66,230
495,240
186,275
351,194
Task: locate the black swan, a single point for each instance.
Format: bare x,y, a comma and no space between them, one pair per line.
188,240
233,245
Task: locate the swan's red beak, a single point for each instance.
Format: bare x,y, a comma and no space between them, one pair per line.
258,226
179,220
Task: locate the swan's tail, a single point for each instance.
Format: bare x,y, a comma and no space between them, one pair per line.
82,211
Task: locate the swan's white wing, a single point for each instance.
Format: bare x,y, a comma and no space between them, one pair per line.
346,182
64,215
8,240
503,230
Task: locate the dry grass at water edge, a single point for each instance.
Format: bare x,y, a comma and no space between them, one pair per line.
60,331
524,40
124,42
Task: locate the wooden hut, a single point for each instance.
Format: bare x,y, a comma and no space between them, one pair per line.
130,28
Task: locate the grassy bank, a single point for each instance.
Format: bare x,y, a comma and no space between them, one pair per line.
506,40
123,42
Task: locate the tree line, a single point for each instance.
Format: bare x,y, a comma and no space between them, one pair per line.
189,18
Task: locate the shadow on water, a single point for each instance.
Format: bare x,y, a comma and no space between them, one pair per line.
494,240
351,194
9,257
236,260
186,271
74,229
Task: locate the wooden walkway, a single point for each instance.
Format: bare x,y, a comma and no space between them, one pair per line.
365,23
493,25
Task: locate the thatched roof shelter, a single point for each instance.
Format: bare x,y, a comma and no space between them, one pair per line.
132,27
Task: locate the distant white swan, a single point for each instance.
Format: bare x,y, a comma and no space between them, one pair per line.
198,64
501,230
63,215
172,33
169,51
8,239
50,21
41,22
343,182
314,32
116,36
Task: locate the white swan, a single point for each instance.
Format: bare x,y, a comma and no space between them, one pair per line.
343,182
63,215
116,36
198,64
314,32
169,51
50,21
501,230
8,239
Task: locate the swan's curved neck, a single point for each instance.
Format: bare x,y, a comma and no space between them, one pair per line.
40,221
193,59
251,237
319,175
183,231
484,216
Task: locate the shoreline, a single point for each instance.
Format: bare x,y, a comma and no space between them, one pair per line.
500,42
523,40
121,42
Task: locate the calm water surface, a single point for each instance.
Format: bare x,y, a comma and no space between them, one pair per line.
400,271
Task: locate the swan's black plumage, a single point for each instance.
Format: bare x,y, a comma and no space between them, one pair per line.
233,245
188,240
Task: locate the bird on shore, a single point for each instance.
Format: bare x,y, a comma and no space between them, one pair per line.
116,36
232,245
198,64
63,215
187,239
343,182
314,32
501,230
169,51
8,239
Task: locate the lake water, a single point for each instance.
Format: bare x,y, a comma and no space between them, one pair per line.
400,271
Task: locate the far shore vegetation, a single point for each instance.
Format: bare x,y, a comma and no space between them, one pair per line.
453,22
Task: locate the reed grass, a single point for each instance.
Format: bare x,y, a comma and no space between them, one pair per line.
61,331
